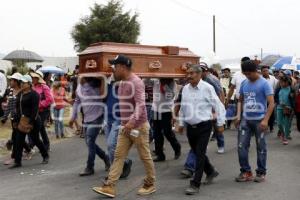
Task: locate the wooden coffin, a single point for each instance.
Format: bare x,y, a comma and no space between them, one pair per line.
148,61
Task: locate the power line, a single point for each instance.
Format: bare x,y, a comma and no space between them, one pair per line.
224,27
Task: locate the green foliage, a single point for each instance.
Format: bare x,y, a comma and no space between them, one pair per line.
106,23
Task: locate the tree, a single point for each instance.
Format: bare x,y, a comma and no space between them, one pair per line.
106,23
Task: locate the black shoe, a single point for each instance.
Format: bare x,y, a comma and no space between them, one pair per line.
16,165
159,159
57,137
177,155
192,190
126,169
186,173
45,160
209,178
87,172
107,163
62,136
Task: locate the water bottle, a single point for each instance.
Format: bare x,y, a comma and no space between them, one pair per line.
133,133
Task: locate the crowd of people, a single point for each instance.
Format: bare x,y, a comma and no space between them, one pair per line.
134,111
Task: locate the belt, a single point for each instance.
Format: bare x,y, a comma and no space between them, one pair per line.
200,124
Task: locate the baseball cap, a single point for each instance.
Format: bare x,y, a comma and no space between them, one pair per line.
204,66
287,72
121,59
26,79
16,76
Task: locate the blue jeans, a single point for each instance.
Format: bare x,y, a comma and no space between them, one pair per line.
150,120
220,139
190,163
247,128
91,130
58,116
111,134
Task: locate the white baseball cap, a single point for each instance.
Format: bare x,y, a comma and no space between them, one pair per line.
26,79
16,76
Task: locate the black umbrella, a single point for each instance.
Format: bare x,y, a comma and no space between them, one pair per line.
23,56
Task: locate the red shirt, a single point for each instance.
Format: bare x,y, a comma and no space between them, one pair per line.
59,96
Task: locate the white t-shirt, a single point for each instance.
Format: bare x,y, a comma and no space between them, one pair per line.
237,80
272,81
3,84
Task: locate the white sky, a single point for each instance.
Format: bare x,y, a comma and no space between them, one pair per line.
44,26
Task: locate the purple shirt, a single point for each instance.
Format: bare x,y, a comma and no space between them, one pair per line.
88,98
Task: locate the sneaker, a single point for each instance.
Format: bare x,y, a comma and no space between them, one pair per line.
87,172
177,155
221,150
16,165
9,161
146,190
289,137
192,190
260,178
284,141
159,159
106,190
126,169
186,173
209,178
45,160
28,156
244,177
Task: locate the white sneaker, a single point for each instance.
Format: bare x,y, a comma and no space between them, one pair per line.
221,150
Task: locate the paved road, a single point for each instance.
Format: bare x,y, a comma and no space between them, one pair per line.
59,179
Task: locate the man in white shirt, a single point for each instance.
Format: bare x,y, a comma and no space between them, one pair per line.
266,74
236,82
273,83
163,101
198,100
3,87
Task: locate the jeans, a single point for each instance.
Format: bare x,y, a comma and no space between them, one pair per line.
111,134
284,123
162,125
247,128
58,117
91,130
198,137
44,117
150,120
190,163
124,144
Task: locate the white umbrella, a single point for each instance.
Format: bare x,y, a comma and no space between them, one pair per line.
52,70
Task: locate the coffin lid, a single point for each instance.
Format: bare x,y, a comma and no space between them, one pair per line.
137,49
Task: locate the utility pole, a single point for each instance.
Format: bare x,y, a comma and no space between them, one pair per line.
261,53
214,34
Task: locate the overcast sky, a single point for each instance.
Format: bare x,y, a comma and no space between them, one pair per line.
243,26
